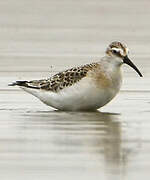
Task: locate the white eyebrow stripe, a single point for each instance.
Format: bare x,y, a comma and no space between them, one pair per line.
116,49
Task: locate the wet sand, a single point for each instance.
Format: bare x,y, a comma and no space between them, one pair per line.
39,39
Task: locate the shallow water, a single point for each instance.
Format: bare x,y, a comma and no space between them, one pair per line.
41,38
38,142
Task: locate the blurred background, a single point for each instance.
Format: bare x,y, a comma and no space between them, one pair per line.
36,35
41,37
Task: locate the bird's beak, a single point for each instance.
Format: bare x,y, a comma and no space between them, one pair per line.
126,60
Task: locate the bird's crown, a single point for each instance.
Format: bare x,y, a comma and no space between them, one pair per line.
117,49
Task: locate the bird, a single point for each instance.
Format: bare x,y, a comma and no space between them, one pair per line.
84,88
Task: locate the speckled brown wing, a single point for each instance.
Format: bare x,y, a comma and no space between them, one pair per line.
60,80
66,78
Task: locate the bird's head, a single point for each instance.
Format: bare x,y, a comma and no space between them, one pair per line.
121,51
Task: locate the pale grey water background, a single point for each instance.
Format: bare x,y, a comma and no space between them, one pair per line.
39,38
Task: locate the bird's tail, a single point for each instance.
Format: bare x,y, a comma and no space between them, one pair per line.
28,84
18,83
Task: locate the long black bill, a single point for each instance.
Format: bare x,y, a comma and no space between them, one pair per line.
126,60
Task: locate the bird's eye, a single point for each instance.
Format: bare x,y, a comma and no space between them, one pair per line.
114,51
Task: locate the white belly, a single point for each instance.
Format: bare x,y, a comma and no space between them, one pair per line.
84,95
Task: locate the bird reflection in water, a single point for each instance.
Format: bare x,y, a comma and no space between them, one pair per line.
77,141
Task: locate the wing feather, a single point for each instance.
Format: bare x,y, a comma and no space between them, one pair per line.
59,80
